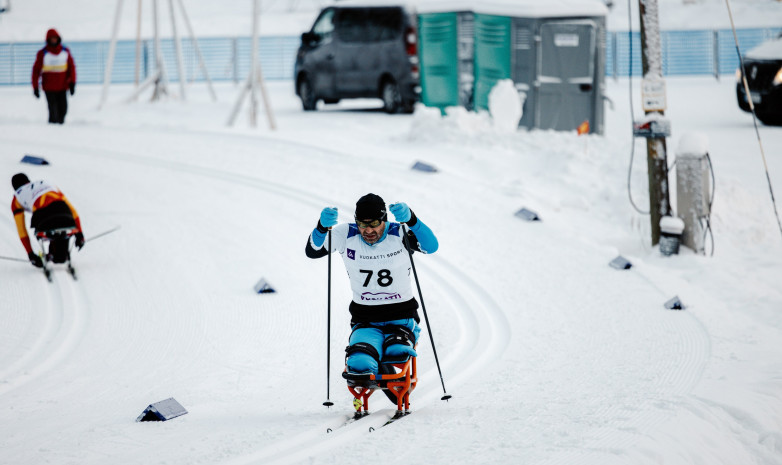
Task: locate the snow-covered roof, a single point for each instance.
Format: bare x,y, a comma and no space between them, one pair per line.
515,8
768,50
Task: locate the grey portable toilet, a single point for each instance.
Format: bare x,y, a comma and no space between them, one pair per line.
553,50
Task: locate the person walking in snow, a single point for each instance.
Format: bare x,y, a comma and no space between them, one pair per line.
55,69
50,210
384,312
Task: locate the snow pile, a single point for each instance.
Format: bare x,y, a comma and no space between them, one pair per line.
506,105
769,50
693,144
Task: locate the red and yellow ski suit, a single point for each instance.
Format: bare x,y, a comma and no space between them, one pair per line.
33,200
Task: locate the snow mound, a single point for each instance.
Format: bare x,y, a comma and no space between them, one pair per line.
506,105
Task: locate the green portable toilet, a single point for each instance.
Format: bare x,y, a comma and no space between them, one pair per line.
553,51
439,64
492,55
446,56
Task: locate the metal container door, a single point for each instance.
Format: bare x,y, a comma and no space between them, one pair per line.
492,55
438,37
566,74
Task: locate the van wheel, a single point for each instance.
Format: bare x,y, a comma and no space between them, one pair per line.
308,100
392,99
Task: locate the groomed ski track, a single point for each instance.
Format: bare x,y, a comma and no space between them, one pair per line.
483,330
480,331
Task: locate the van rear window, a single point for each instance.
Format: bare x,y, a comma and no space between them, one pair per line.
369,24
385,23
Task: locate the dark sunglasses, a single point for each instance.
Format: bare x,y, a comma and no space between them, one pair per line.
368,224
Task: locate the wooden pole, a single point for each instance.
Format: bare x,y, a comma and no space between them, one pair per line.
161,81
110,59
254,68
197,50
178,48
138,46
657,162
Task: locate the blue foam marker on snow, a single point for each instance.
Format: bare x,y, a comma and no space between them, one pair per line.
621,263
263,287
33,160
674,304
528,215
420,166
162,411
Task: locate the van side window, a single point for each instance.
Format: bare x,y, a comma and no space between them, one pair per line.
351,24
324,26
384,24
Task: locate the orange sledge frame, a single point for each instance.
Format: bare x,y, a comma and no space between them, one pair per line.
362,386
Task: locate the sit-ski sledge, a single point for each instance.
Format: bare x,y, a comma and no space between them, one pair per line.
397,379
56,249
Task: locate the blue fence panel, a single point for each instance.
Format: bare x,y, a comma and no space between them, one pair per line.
225,58
623,56
228,58
687,52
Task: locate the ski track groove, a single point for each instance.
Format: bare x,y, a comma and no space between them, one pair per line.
482,322
484,332
65,325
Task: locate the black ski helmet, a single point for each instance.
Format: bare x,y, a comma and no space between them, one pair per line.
19,180
371,207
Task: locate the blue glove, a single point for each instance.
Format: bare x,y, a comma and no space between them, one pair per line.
401,212
328,217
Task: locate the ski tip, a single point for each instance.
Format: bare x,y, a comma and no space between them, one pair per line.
446,397
328,403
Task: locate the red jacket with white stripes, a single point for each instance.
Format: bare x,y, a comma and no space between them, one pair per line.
54,66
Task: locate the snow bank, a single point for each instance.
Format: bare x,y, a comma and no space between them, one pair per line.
506,105
693,144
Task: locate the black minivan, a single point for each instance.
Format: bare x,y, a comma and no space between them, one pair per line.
360,52
763,65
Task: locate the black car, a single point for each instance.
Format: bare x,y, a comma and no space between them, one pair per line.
360,52
763,65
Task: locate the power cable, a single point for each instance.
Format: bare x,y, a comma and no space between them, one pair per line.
754,116
632,109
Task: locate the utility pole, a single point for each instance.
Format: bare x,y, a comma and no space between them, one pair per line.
654,101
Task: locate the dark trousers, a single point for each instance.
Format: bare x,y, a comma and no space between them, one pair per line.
58,106
56,215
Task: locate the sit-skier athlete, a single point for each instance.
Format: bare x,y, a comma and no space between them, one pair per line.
50,210
384,312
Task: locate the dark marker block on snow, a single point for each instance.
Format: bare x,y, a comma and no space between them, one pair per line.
620,263
426,168
162,411
33,160
263,287
529,215
674,304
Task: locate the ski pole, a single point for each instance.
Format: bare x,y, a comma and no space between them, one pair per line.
102,234
423,307
14,259
328,403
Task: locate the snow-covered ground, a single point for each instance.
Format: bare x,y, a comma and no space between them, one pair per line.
551,355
